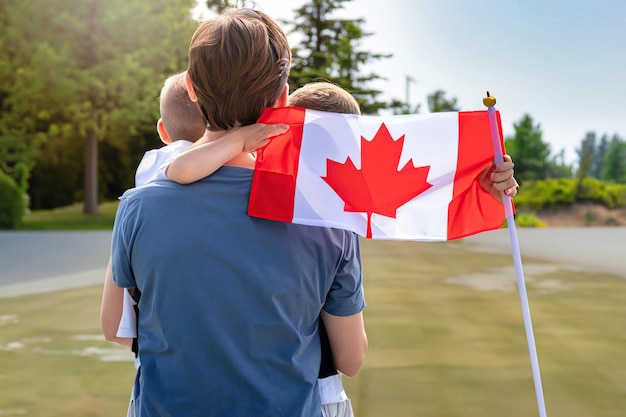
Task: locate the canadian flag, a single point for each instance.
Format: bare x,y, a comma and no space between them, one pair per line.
408,177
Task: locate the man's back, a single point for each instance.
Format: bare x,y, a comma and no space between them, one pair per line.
230,304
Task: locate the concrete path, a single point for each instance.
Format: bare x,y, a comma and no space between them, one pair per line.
599,249
36,262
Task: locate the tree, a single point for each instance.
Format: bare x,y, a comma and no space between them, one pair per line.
402,107
437,102
85,73
586,154
218,6
558,168
329,51
598,157
528,150
614,164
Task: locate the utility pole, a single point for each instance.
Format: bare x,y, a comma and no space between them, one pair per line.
409,80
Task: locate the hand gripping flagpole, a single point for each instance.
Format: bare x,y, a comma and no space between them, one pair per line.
490,103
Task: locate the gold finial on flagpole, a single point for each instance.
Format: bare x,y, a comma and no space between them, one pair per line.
489,101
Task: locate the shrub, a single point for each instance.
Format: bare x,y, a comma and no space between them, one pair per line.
11,203
596,191
537,195
528,219
550,193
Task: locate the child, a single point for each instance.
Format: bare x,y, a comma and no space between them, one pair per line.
200,161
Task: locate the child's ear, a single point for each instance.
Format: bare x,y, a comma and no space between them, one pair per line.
165,137
282,99
192,93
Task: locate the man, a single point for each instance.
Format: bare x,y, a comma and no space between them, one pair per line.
228,322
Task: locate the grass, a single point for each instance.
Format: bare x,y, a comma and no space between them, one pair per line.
71,218
439,347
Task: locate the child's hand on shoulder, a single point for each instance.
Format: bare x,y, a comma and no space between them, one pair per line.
258,135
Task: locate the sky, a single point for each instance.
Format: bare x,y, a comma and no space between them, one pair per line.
563,62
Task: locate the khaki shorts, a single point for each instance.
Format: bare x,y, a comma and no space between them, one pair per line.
340,409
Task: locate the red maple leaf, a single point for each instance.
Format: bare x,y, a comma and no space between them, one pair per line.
378,187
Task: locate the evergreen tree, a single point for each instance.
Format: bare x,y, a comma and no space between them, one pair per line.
329,51
614,163
585,154
218,6
437,102
402,107
598,157
528,150
558,168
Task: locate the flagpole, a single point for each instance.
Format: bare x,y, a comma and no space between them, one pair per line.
490,102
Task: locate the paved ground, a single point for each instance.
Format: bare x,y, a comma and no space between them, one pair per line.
601,249
35,262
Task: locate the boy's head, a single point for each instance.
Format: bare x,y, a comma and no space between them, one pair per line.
238,65
324,96
180,117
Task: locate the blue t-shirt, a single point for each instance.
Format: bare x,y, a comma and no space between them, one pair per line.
229,308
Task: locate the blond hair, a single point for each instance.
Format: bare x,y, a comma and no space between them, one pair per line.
324,96
181,117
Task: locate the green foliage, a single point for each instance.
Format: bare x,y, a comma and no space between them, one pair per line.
402,107
75,66
604,159
598,157
547,193
586,154
219,6
11,203
610,195
71,218
528,219
438,102
329,51
528,150
558,168
537,195
614,161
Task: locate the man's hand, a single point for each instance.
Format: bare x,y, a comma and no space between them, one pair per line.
499,177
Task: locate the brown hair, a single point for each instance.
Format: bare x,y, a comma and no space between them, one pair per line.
324,96
238,65
181,117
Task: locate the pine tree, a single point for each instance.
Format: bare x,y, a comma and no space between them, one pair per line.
437,102
614,163
598,157
329,51
528,150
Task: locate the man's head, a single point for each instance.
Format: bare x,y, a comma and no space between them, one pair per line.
180,117
324,96
238,65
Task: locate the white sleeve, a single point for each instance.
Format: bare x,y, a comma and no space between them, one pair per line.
154,162
128,321
147,166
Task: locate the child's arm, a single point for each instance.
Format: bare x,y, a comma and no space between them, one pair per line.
111,309
203,158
